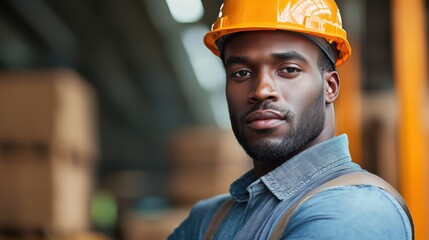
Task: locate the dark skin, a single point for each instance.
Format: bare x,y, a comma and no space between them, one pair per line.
280,103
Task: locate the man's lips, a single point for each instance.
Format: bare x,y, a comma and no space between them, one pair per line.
264,119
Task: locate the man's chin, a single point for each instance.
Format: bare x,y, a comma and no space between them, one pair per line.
264,149
265,141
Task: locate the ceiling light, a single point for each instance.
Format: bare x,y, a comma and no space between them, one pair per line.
186,11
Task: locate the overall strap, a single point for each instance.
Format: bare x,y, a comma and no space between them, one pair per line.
350,179
217,218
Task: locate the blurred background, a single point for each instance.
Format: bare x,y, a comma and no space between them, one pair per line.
113,119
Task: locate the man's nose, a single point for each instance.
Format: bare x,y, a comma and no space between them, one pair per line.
264,90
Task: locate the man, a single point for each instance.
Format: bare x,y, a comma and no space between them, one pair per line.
280,58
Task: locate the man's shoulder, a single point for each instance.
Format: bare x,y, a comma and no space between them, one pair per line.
360,198
356,212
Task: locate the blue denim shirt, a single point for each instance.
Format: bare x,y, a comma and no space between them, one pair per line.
344,212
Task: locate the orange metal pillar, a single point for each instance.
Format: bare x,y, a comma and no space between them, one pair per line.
410,63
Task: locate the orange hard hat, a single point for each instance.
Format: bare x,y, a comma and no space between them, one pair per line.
319,18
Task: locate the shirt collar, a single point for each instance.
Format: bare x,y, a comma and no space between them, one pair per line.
298,171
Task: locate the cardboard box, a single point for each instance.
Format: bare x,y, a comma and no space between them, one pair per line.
205,161
53,106
47,151
154,226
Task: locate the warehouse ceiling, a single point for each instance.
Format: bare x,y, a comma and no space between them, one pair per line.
136,57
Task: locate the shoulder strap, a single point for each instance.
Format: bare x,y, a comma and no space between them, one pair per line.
217,218
354,178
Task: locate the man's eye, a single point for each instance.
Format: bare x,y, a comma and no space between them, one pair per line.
290,70
242,73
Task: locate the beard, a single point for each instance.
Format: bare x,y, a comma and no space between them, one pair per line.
304,129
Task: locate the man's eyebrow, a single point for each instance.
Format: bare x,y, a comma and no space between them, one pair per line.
292,55
236,60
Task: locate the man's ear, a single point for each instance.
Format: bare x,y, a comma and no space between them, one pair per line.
332,86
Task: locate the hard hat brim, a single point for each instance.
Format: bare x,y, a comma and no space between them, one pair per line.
342,44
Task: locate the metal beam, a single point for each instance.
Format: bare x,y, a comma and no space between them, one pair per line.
410,64
47,24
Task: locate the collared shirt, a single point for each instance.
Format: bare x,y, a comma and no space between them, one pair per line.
343,212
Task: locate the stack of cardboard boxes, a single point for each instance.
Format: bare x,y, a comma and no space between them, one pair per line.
204,162
47,152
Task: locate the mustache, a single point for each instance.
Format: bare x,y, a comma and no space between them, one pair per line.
288,114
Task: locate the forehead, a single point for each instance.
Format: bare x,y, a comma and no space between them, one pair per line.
259,43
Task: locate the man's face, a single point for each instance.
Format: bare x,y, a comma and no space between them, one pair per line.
275,93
